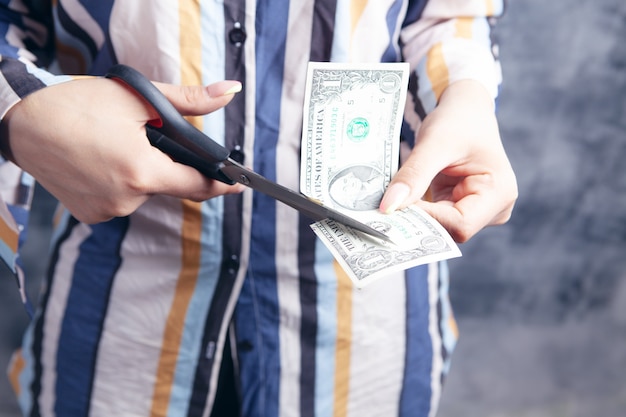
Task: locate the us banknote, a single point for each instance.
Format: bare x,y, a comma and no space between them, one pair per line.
350,151
418,239
351,132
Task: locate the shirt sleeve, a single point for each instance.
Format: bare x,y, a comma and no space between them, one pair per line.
26,45
14,205
26,48
451,40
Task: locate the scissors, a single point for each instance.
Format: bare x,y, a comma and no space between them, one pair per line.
175,136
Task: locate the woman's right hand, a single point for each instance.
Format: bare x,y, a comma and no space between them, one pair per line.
85,142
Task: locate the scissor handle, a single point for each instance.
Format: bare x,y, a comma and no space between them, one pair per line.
173,134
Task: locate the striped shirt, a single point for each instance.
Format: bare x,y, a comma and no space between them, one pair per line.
137,310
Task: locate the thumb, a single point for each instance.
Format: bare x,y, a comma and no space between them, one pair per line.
412,179
198,100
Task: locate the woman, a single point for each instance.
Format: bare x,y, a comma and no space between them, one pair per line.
159,277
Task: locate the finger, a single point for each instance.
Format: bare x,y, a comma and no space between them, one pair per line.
469,215
182,181
199,100
413,179
178,181
458,219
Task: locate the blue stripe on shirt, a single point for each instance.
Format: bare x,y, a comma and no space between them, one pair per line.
257,312
414,11
391,53
87,303
100,11
416,391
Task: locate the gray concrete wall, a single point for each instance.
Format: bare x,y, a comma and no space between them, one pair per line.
541,302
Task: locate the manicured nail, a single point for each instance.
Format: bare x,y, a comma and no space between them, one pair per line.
235,88
394,197
223,88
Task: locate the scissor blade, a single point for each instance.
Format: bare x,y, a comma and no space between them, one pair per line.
306,206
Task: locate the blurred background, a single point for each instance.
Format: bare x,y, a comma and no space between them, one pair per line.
541,301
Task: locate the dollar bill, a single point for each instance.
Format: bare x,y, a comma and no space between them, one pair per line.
418,239
350,151
351,132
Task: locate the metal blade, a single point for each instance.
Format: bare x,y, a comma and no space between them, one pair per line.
303,204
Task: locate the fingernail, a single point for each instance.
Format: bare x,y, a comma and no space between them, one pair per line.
235,88
223,88
394,197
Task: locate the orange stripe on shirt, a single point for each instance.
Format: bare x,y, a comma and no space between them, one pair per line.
190,47
190,42
452,324
8,235
437,70
436,66
489,7
15,369
70,58
174,326
356,11
344,341
463,27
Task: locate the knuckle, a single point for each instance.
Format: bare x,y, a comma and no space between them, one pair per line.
462,235
459,232
136,181
112,208
199,197
191,95
92,216
407,172
504,216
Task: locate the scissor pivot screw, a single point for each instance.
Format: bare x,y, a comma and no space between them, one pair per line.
244,179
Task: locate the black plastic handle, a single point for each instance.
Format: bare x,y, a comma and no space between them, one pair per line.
175,136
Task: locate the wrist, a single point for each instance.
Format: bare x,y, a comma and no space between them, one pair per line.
468,92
